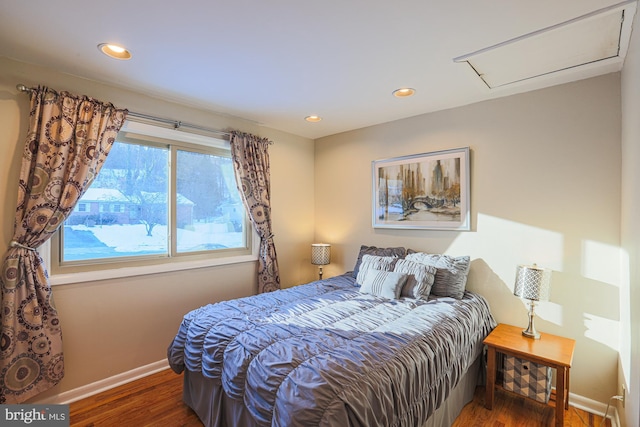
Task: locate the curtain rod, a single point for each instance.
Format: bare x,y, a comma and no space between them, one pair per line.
176,124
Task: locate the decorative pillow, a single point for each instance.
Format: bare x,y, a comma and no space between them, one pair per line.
420,278
387,284
371,262
398,252
451,273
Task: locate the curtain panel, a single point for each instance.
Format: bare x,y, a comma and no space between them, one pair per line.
250,156
68,140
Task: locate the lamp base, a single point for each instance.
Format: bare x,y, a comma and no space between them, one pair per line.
531,332
535,335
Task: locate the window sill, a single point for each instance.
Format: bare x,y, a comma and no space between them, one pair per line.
118,273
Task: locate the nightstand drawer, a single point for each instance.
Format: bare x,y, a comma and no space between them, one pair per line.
527,378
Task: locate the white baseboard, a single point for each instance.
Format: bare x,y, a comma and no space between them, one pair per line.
595,407
106,384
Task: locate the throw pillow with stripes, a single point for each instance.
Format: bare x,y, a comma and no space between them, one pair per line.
387,284
369,262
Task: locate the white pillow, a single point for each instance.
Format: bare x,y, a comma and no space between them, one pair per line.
387,284
385,263
420,278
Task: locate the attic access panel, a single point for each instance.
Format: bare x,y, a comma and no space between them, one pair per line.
591,38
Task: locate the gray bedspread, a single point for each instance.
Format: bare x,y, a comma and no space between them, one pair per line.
326,354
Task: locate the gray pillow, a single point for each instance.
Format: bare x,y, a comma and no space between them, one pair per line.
387,284
398,252
420,278
372,262
451,273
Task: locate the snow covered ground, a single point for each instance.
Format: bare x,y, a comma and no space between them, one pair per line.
133,238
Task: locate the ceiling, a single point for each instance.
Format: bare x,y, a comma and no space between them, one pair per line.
275,62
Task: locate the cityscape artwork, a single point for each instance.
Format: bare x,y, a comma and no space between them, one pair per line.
422,191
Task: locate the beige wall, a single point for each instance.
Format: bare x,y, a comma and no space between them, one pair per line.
113,326
629,372
545,188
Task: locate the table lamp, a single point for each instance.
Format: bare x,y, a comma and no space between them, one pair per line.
320,255
532,283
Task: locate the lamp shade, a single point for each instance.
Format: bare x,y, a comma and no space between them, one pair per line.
532,282
320,253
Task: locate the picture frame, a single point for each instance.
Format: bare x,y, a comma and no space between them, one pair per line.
429,191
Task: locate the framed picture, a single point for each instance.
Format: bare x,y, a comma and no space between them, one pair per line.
423,191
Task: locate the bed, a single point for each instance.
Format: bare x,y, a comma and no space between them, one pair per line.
378,346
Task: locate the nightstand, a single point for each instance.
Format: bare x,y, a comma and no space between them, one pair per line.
550,350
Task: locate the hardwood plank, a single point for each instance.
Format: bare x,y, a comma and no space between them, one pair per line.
512,410
156,400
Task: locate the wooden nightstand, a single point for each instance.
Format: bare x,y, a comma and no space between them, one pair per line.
550,350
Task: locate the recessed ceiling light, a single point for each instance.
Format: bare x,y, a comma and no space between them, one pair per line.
313,119
114,51
404,92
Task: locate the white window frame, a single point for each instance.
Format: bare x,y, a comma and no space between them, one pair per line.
176,264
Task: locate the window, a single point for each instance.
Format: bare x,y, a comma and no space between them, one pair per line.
155,200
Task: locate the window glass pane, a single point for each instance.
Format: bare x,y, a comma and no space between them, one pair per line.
209,212
154,199
125,211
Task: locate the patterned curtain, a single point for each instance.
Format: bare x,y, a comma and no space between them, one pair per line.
68,140
251,164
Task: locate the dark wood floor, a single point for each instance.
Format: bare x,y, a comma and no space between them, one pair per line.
156,400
